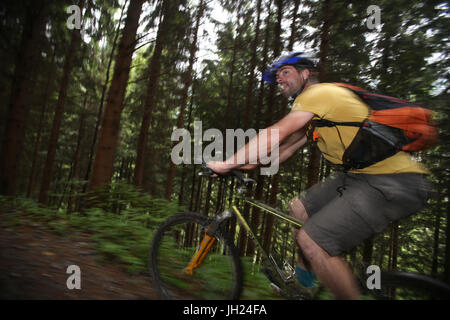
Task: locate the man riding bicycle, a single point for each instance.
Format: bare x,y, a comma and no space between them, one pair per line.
347,207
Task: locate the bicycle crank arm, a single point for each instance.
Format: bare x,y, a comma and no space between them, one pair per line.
287,273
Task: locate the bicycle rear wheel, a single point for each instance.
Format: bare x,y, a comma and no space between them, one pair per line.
397,285
175,243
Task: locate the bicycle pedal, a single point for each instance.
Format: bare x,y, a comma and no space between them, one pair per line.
284,270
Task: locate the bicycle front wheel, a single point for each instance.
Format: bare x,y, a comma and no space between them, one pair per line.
176,243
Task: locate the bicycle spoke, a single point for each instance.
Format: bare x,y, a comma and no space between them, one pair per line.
180,274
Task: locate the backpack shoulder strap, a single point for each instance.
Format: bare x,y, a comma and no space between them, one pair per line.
377,101
327,123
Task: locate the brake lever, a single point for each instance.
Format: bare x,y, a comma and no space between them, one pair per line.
245,181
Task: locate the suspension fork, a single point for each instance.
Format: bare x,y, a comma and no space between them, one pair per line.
207,242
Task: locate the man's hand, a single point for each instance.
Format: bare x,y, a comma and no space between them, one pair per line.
219,167
249,167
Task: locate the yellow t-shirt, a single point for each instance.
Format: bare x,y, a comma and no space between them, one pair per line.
332,102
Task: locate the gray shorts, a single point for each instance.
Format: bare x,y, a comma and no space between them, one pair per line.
348,208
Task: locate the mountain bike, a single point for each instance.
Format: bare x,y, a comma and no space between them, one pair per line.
194,256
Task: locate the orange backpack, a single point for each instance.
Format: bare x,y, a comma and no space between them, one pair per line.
393,125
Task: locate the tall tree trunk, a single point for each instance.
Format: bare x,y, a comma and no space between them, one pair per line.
395,246
367,251
183,169
48,90
208,198
314,161
227,117
109,134
256,213
231,73
184,97
258,118
313,166
271,104
437,227
267,241
325,40
447,241
102,99
194,177
59,110
77,156
155,69
251,80
198,197
259,191
12,143
220,198
247,247
293,26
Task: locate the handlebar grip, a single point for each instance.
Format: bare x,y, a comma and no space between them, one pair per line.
205,171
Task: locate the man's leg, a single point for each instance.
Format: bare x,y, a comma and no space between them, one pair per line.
298,211
333,272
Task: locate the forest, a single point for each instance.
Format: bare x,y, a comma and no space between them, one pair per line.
92,90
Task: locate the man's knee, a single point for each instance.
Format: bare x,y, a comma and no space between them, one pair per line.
309,247
297,209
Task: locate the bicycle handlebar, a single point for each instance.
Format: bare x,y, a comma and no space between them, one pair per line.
205,171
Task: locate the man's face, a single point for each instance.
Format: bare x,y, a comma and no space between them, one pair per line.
290,80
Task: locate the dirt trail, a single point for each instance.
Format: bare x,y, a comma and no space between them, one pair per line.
34,261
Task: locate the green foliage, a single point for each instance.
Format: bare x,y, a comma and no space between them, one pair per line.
257,286
123,237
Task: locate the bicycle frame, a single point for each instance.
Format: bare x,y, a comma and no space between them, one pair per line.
277,213
208,238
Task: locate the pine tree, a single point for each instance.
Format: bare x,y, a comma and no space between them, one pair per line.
109,134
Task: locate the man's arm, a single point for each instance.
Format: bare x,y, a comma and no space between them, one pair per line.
292,144
287,148
292,122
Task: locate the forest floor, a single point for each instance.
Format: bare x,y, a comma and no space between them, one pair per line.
34,262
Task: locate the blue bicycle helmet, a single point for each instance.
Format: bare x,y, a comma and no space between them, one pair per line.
296,59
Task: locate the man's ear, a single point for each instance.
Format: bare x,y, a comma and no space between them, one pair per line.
305,73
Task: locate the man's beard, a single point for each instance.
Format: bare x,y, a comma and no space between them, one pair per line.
287,93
